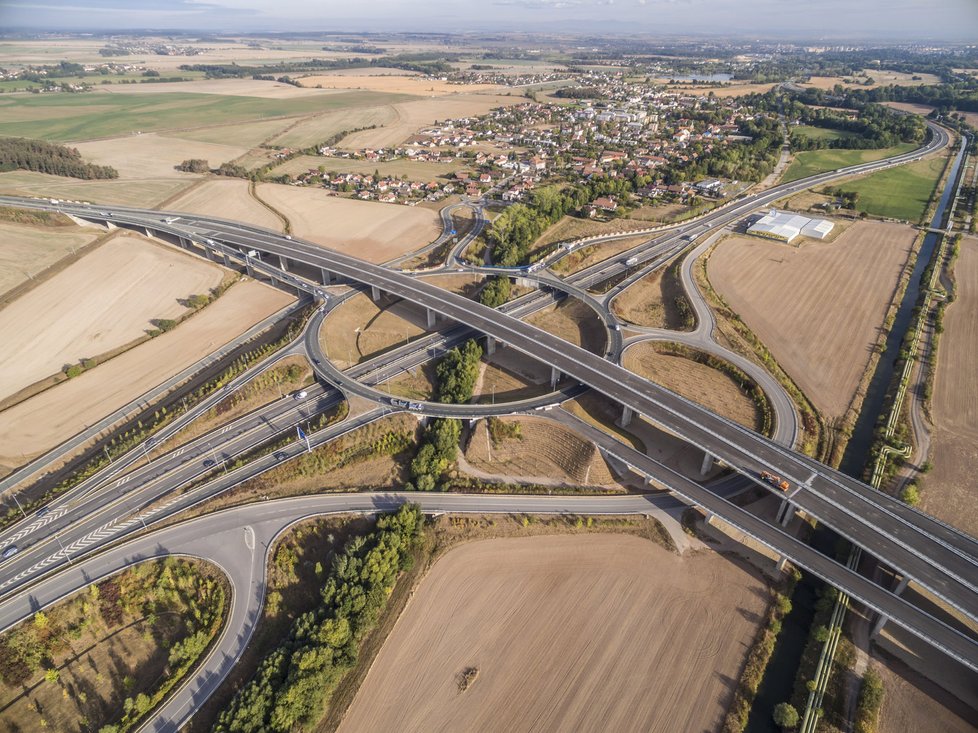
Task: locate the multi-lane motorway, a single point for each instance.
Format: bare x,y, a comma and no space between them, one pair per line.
934,555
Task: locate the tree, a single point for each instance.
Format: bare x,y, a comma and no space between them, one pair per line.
910,495
785,715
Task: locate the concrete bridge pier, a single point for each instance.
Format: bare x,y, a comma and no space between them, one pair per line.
283,263
626,416
782,564
325,275
227,260
374,293
432,317
554,377
785,512
707,463
211,254
883,618
490,346
149,232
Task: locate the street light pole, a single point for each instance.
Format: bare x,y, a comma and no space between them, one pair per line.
63,550
19,506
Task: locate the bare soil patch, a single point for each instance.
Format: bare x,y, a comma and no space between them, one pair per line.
614,661
374,231
572,321
228,198
45,420
711,388
103,301
917,109
154,156
949,491
544,450
819,306
909,709
412,116
651,302
26,250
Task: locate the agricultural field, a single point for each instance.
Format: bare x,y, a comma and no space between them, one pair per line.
227,87
543,450
75,117
949,490
242,134
909,708
37,424
809,162
155,156
105,300
26,250
812,305
125,192
230,198
412,116
393,81
709,387
880,77
898,193
373,231
415,170
623,603
917,109
317,128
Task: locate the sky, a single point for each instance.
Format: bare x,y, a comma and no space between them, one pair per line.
921,20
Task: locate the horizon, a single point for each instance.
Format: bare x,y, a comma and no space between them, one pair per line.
790,21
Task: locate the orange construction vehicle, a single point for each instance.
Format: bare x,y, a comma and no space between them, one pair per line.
775,480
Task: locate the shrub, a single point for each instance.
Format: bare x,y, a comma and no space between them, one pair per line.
785,715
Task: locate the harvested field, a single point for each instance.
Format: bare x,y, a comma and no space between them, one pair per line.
813,305
244,134
572,321
43,421
949,491
912,708
103,301
412,116
373,231
360,328
652,302
709,387
228,198
26,250
229,87
394,82
544,450
880,77
917,109
318,128
154,156
614,661
146,193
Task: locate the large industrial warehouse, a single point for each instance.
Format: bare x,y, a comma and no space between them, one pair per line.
785,226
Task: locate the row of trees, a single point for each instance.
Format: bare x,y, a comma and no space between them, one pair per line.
456,376
875,127
294,683
20,153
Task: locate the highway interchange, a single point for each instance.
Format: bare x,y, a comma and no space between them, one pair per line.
933,555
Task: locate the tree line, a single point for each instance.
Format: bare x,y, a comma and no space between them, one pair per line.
21,153
456,375
875,127
294,683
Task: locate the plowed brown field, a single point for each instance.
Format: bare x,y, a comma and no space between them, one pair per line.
950,490
585,632
817,307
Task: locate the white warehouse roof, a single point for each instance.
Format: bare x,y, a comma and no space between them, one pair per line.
786,226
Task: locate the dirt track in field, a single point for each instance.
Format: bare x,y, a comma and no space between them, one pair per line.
818,307
587,632
950,491
103,301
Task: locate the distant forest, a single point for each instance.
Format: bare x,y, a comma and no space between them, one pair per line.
20,153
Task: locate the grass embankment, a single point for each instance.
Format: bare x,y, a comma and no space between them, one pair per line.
29,217
903,192
810,162
657,301
104,658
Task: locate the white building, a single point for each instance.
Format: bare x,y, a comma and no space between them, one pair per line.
785,226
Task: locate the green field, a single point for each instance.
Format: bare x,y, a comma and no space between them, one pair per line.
62,117
899,193
824,133
810,162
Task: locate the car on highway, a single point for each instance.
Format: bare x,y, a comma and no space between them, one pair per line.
300,395
42,511
10,552
209,462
